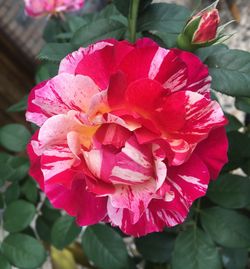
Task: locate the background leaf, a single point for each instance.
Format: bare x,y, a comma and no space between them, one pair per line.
195,250
234,258
163,17
156,247
104,247
98,30
18,215
230,71
230,191
4,264
65,226
23,251
226,227
14,137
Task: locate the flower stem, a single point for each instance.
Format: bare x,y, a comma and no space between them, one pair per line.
132,19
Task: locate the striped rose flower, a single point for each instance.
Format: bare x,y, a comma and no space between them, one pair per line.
128,135
37,8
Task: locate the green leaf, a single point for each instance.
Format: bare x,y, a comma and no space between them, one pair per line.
5,168
230,71
30,190
12,193
18,215
204,53
234,258
163,17
46,71
65,226
49,213
243,103
156,247
43,229
168,39
14,137
20,166
230,191
239,150
195,250
23,251
105,248
4,264
20,106
55,52
234,123
123,6
226,227
98,30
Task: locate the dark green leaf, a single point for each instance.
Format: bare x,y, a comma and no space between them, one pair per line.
234,258
23,251
156,247
12,193
98,30
239,150
4,264
20,166
105,247
18,215
234,123
123,6
5,168
54,27
168,39
204,53
43,229
230,71
195,250
55,52
243,103
65,226
226,227
46,71
49,213
230,191
14,137
163,17
20,106
30,190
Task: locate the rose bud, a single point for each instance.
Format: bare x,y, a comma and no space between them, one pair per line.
201,30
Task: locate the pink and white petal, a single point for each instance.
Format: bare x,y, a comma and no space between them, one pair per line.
156,217
59,165
188,181
70,62
112,134
198,76
78,202
116,90
55,130
169,70
133,164
100,63
144,96
65,92
135,198
137,63
195,115
33,149
213,151
159,165
145,42
34,113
